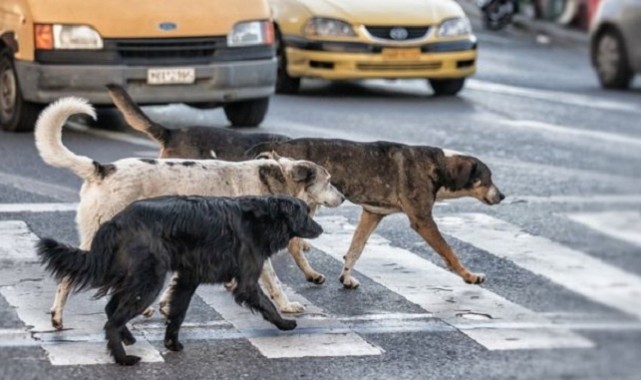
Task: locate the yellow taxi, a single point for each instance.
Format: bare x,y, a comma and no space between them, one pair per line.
358,39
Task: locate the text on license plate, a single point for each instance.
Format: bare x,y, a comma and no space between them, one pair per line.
407,54
171,76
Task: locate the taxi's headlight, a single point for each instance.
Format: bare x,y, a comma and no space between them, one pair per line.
58,36
453,27
251,33
328,27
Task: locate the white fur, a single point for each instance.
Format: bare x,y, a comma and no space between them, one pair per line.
102,198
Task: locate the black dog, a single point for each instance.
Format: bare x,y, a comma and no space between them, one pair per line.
203,239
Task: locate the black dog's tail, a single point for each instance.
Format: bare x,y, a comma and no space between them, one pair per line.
83,269
135,117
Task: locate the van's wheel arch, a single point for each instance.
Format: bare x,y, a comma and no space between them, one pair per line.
16,114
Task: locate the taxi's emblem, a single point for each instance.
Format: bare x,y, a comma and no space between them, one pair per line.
398,33
167,26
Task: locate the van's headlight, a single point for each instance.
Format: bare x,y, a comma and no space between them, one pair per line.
251,33
70,37
324,27
453,27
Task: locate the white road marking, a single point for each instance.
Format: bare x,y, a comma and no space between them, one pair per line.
624,225
598,198
35,186
29,290
581,273
629,144
445,295
556,97
37,207
294,344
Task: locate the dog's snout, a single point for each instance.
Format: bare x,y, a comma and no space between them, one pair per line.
501,196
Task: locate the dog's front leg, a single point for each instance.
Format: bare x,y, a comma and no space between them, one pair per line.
368,223
269,281
62,293
249,293
427,228
296,249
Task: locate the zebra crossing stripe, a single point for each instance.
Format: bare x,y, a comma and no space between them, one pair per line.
29,290
620,225
301,342
581,273
445,295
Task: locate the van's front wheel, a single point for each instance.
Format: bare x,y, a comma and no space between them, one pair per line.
246,113
16,115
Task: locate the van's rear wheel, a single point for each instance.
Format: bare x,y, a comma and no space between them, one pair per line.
246,113
16,115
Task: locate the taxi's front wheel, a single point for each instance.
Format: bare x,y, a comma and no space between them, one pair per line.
447,87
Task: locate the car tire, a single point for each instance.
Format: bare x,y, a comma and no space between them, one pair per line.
16,114
447,87
611,60
285,84
246,113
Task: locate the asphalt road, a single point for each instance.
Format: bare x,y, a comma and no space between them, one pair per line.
562,253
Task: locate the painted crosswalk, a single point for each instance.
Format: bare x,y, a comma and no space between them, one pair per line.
449,305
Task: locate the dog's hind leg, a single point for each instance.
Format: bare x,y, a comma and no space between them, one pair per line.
62,294
271,284
119,313
427,228
178,302
368,223
296,249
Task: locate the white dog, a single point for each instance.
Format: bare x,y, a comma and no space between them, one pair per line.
109,188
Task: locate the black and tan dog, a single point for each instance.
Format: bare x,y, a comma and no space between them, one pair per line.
386,178
202,239
194,142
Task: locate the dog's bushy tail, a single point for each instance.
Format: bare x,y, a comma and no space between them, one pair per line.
135,117
48,134
83,269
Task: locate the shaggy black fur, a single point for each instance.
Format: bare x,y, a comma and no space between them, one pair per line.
203,239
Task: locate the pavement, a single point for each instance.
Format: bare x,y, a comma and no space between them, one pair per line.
559,33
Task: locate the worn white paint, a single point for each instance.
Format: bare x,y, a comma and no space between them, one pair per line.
27,288
623,225
37,207
338,341
445,295
587,199
34,186
117,136
575,270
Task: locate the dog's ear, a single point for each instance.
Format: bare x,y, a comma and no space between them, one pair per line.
267,156
303,172
461,172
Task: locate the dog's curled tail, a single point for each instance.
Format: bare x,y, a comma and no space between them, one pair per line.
48,133
135,117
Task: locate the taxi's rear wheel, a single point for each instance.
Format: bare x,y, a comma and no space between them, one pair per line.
16,115
285,84
447,87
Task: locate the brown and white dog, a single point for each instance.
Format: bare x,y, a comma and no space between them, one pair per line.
386,178
109,188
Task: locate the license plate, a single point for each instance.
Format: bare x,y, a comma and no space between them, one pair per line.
171,76
393,54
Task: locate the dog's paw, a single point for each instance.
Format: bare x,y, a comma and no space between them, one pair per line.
149,312
475,278
292,307
316,278
349,282
56,320
128,360
174,345
286,324
304,245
